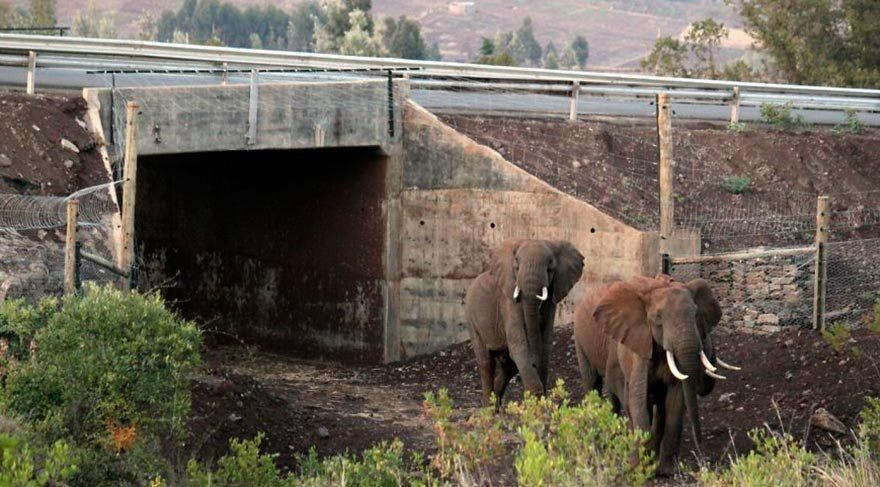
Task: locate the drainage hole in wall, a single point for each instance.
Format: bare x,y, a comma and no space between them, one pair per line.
492,225
422,222
592,230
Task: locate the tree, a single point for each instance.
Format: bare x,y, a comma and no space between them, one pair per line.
166,26
301,28
568,59
43,13
146,26
703,38
817,41
667,58
92,24
358,40
406,41
487,47
433,53
551,57
523,46
581,49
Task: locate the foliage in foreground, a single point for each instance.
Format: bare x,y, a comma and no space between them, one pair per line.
107,373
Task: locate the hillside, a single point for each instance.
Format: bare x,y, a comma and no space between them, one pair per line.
619,31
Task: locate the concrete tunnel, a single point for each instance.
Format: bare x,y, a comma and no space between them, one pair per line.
407,208
280,248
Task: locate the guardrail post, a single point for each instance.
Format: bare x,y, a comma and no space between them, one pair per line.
224,76
254,105
667,171
70,260
820,278
129,192
31,72
573,101
734,105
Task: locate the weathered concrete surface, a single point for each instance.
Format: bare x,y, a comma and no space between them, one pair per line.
283,249
300,115
459,201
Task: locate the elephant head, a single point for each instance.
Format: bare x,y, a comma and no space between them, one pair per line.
533,276
662,316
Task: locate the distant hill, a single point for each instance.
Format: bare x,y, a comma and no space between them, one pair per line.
619,31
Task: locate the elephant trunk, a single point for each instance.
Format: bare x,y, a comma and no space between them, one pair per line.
687,353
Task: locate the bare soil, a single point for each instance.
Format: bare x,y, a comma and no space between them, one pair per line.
612,165
784,379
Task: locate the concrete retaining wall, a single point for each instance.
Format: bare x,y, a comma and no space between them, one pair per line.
459,200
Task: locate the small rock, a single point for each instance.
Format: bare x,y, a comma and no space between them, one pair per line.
821,418
323,432
234,417
789,343
239,404
5,161
69,145
726,397
36,128
575,163
68,163
768,319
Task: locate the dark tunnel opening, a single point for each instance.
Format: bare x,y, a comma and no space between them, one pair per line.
282,249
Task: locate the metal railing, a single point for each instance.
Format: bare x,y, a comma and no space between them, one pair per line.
89,53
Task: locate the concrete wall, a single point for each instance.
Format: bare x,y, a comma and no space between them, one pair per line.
458,201
185,119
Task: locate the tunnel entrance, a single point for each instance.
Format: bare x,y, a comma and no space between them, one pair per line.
282,249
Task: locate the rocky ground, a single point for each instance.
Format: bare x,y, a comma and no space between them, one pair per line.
785,380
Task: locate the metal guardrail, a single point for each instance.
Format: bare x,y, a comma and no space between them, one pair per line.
432,75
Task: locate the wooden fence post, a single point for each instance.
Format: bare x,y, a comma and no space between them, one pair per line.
820,278
70,260
667,172
573,101
31,72
734,106
129,192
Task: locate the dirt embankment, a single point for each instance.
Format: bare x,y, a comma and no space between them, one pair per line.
613,167
45,150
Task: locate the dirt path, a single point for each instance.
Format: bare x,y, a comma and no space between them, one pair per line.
336,408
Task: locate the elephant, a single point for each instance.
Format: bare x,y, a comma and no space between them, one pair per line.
630,337
510,310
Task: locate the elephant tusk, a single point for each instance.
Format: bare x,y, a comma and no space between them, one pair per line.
726,365
670,359
714,375
543,296
706,362
516,293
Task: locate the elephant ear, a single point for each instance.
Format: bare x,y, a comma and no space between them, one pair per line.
708,310
502,269
622,315
569,267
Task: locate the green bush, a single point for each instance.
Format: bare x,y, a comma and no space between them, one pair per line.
776,460
108,372
25,465
583,444
736,184
780,116
851,123
736,127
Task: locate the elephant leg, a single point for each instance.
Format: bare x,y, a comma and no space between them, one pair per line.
637,396
589,376
670,438
547,342
505,369
486,366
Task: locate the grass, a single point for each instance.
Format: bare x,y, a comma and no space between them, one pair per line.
736,184
780,116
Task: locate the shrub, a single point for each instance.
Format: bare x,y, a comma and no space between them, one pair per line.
244,466
780,116
24,465
464,451
108,372
583,444
776,460
851,123
837,335
736,184
736,127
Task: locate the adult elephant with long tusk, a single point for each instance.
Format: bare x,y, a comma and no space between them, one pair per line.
646,344
510,311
